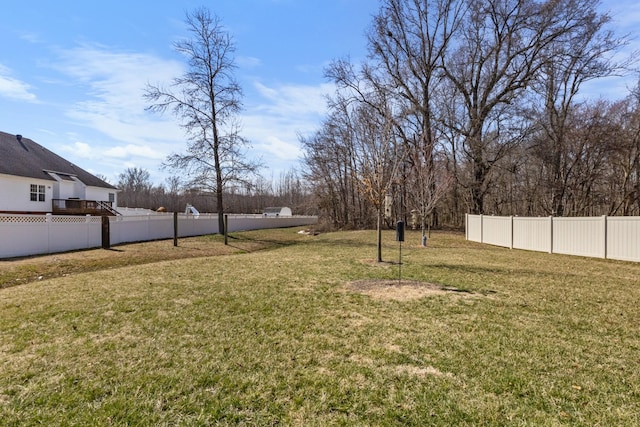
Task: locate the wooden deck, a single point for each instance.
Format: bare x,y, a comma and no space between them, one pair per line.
82,207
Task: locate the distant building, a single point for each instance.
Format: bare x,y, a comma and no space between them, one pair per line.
282,211
36,180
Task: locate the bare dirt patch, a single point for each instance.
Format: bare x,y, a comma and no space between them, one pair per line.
403,290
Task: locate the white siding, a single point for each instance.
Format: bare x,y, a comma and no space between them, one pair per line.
101,194
15,194
67,190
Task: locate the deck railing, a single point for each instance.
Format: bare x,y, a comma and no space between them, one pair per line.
81,207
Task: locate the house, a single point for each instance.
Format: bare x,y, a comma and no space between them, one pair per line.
36,180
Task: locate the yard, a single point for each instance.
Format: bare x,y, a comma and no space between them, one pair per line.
281,328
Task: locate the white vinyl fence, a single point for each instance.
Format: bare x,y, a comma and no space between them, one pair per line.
22,235
613,237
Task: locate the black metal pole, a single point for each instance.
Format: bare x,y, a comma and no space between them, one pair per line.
226,229
106,241
400,265
175,229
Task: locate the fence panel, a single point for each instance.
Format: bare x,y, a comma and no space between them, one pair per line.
623,238
474,228
532,234
257,222
197,225
129,229
599,237
23,235
579,236
68,233
496,230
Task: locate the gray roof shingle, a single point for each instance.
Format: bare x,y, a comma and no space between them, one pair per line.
27,158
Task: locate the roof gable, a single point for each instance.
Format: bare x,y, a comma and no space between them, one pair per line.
25,157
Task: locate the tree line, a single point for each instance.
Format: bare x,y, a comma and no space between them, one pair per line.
475,106
138,191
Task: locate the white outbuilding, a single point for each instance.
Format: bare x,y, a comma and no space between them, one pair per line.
277,212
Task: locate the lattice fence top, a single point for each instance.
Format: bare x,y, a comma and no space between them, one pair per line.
68,219
41,219
24,219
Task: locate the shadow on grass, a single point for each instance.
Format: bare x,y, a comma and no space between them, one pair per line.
505,271
253,244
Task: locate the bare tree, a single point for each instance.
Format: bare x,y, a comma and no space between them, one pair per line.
409,40
207,99
367,105
581,54
625,168
135,186
330,171
502,46
377,158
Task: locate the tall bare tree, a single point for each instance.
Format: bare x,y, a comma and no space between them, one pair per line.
377,157
365,102
207,100
501,48
408,41
625,168
580,55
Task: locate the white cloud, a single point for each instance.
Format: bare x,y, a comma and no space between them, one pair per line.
13,88
294,99
624,13
115,82
109,99
248,62
82,149
279,115
131,150
280,149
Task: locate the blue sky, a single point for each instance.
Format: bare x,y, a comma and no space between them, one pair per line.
72,73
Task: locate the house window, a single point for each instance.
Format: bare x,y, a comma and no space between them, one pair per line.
37,193
112,197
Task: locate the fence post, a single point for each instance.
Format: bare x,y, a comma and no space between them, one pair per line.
604,231
106,244
511,239
466,226
551,234
226,229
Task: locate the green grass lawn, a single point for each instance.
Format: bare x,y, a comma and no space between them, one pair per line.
288,329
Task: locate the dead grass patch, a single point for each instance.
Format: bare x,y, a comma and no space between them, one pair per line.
422,371
404,290
23,270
